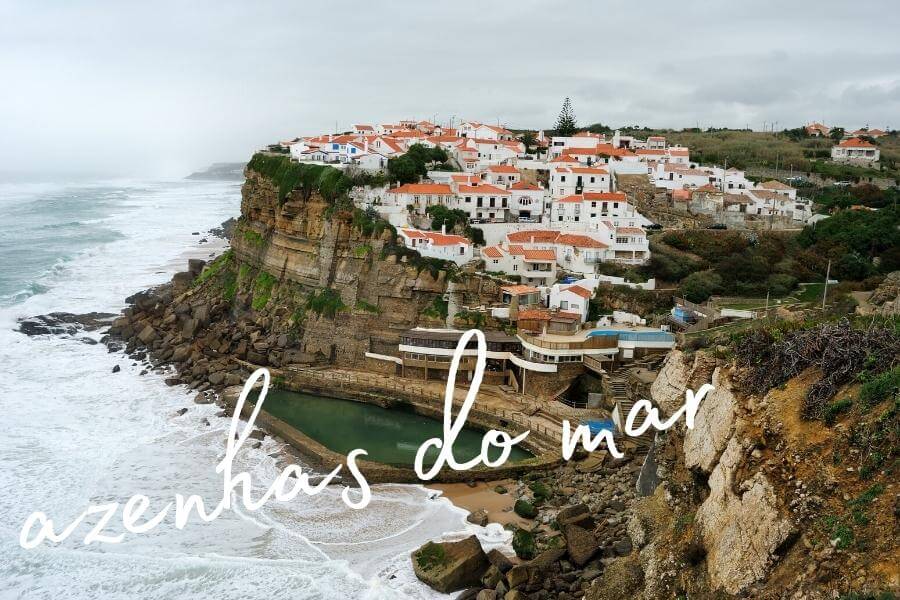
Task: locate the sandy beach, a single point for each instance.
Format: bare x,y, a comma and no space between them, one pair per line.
499,507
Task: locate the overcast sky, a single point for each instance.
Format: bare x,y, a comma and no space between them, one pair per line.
158,88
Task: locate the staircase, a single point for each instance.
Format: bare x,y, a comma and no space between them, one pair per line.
618,388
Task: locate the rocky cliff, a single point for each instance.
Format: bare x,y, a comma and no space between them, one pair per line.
307,250
307,280
756,502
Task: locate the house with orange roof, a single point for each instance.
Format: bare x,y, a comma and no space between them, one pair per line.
419,196
484,203
856,151
866,132
581,140
441,245
572,298
590,211
818,130
533,266
475,129
502,175
655,142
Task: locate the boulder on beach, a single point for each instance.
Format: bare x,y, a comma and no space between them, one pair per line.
451,566
478,517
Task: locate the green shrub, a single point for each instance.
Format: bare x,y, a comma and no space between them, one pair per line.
836,408
437,309
367,307
697,287
326,303
540,491
523,544
880,388
525,509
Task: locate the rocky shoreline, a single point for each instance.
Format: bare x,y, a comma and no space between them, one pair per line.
569,521
572,523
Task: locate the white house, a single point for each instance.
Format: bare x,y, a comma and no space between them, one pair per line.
420,195
571,298
502,175
533,265
474,129
856,150
438,245
779,188
566,180
484,202
527,201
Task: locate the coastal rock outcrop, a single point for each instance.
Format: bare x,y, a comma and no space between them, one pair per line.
451,566
740,524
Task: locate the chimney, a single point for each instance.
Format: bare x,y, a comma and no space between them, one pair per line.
366,145
443,228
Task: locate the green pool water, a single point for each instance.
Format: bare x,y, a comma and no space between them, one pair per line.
390,436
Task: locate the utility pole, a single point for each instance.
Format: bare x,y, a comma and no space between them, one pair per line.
825,290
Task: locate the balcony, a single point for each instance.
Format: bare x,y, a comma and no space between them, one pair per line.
600,342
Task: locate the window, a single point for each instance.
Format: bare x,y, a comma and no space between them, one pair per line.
515,267
562,178
563,304
468,199
560,218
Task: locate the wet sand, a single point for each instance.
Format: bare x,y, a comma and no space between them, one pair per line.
498,506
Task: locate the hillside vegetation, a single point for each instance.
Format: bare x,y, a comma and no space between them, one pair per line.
746,149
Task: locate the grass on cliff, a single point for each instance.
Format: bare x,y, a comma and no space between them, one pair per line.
213,269
329,182
262,290
327,302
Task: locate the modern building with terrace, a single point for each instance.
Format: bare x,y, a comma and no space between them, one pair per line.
596,348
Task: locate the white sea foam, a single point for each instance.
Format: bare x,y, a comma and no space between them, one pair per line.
79,434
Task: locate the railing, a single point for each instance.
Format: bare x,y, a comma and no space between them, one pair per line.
466,363
592,343
594,363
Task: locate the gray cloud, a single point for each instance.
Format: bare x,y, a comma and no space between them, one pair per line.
164,87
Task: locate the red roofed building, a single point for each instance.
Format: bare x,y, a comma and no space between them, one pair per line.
432,244
420,195
572,299
505,175
856,150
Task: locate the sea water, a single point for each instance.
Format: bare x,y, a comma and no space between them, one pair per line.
77,434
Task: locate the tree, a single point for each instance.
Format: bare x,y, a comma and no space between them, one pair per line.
699,286
565,124
836,134
529,139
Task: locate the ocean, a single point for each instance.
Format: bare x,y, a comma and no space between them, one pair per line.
78,434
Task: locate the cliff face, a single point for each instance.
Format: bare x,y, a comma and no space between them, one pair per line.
754,501
307,250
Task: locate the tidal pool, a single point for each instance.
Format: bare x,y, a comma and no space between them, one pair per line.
390,436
